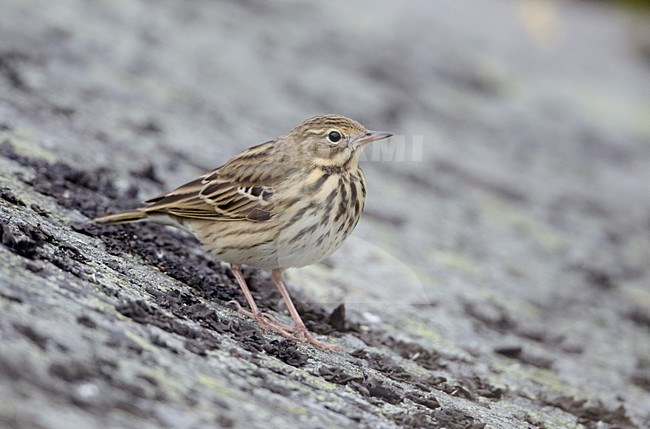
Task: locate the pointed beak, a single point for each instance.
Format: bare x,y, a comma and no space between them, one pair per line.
371,136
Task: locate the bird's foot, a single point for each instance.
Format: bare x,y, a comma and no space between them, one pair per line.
296,333
304,335
267,321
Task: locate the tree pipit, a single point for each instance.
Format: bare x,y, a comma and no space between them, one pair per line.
289,202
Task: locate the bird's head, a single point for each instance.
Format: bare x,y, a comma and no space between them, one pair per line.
332,140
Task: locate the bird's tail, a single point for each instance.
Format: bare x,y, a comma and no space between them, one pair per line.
124,217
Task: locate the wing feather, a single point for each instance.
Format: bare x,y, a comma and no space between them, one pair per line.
242,189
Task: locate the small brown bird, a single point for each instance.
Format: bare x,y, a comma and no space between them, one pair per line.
289,202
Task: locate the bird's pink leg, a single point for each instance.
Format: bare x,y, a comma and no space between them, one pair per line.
300,329
263,319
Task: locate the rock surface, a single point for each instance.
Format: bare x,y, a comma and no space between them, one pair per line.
499,277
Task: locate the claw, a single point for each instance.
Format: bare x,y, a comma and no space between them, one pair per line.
297,333
305,336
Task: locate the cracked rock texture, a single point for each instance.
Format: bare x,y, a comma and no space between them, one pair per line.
499,278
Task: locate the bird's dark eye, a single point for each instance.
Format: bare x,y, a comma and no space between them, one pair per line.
334,136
